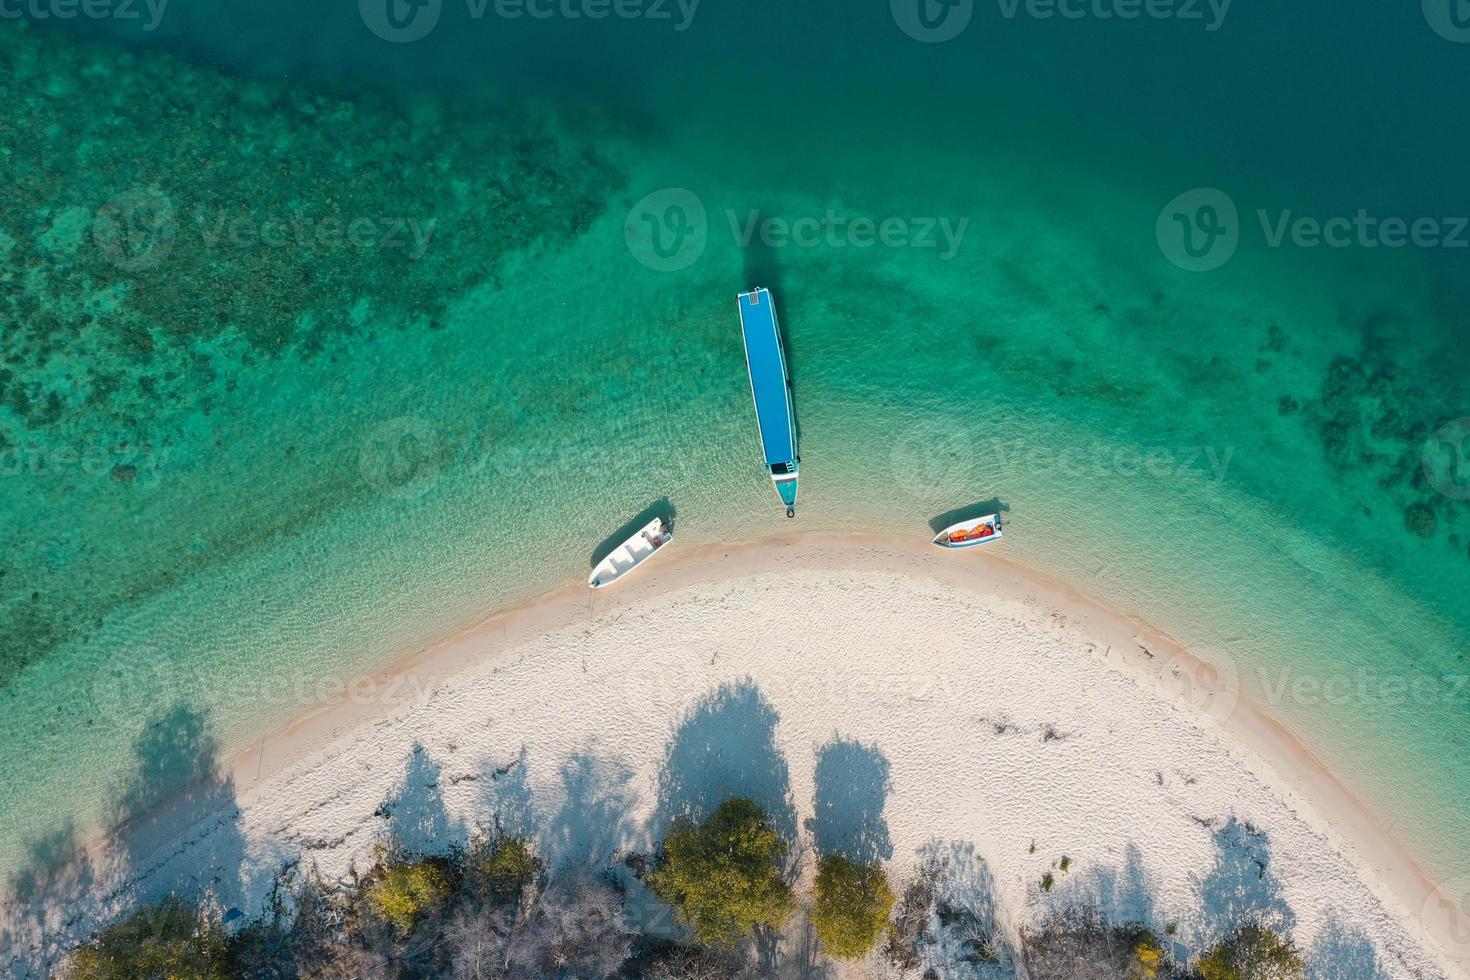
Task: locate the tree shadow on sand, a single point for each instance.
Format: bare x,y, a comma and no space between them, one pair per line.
193,844
1341,950
176,831
509,799
964,914
1241,888
594,823
1124,895
418,821
852,784
40,914
726,746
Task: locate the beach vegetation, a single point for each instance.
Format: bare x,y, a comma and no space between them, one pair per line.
171,939
502,865
851,906
909,928
944,921
302,931
675,962
1047,881
721,876
573,927
1079,943
405,890
1252,952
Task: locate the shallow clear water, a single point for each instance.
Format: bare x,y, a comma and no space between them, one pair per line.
311,459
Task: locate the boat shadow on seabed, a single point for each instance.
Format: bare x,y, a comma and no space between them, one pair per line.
662,508
969,512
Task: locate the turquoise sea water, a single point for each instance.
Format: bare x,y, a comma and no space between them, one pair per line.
237,470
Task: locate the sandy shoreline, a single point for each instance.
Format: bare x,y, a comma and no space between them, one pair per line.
1263,745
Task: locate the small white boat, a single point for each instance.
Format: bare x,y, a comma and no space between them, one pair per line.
968,534
633,552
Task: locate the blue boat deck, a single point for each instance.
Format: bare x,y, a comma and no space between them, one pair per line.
768,380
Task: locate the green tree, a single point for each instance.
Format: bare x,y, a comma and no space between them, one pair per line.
407,889
504,865
721,876
851,908
170,940
1252,952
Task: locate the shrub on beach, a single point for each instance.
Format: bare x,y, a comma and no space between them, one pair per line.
573,928
170,939
1080,944
407,889
721,876
675,962
502,866
1252,952
851,906
301,932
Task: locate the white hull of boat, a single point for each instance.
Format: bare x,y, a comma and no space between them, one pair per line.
643,545
968,534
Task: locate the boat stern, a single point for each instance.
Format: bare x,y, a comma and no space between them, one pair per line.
786,488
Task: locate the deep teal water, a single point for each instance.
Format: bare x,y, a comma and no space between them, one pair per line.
243,472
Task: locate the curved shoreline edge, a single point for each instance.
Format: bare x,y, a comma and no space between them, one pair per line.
1275,755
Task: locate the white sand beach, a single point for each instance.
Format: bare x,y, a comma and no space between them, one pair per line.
877,696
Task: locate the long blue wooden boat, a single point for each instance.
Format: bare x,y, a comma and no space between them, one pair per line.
770,386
